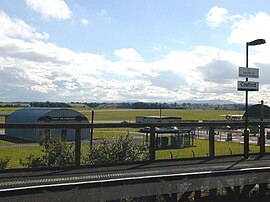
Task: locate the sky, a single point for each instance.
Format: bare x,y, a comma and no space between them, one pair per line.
128,51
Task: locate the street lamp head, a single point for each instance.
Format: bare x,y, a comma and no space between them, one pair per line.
256,42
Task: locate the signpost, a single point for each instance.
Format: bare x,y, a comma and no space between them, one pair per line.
247,86
248,72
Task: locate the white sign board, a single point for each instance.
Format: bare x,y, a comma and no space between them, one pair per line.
247,86
248,72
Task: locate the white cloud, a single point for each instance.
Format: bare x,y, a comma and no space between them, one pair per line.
103,12
46,71
250,27
85,21
57,9
39,70
215,16
128,54
168,80
43,88
18,28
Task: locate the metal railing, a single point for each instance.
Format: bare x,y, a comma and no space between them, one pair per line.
210,126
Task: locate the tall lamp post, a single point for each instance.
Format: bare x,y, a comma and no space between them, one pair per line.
246,132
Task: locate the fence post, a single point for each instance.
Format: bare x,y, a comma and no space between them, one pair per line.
262,140
92,129
77,147
211,142
152,144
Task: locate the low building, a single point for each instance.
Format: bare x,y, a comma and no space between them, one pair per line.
157,119
234,117
258,112
37,115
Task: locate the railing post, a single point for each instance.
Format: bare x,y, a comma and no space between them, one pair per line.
152,144
211,142
262,140
92,129
77,147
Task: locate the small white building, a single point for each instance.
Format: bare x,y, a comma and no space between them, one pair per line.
234,117
37,115
157,119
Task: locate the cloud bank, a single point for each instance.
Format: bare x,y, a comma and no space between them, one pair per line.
35,69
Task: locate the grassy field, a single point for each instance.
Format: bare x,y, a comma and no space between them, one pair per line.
17,153
130,114
4,142
200,148
101,133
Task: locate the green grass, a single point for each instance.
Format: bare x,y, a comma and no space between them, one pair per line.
4,142
18,153
101,133
201,149
8,110
130,115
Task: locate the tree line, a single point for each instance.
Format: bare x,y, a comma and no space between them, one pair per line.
128,105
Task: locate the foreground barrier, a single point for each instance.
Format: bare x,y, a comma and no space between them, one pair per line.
211,128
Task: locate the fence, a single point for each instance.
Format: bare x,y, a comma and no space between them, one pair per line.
194,139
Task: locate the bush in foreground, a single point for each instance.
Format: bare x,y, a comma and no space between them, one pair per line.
56,153
121,150
4,162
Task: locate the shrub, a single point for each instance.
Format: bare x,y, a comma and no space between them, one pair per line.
56,153
33,162
121,150
3,162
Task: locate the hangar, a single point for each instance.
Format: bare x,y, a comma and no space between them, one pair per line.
257,112
46,115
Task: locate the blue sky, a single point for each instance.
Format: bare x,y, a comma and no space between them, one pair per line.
154,50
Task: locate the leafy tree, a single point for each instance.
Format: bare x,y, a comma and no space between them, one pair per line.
121,150
56,153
